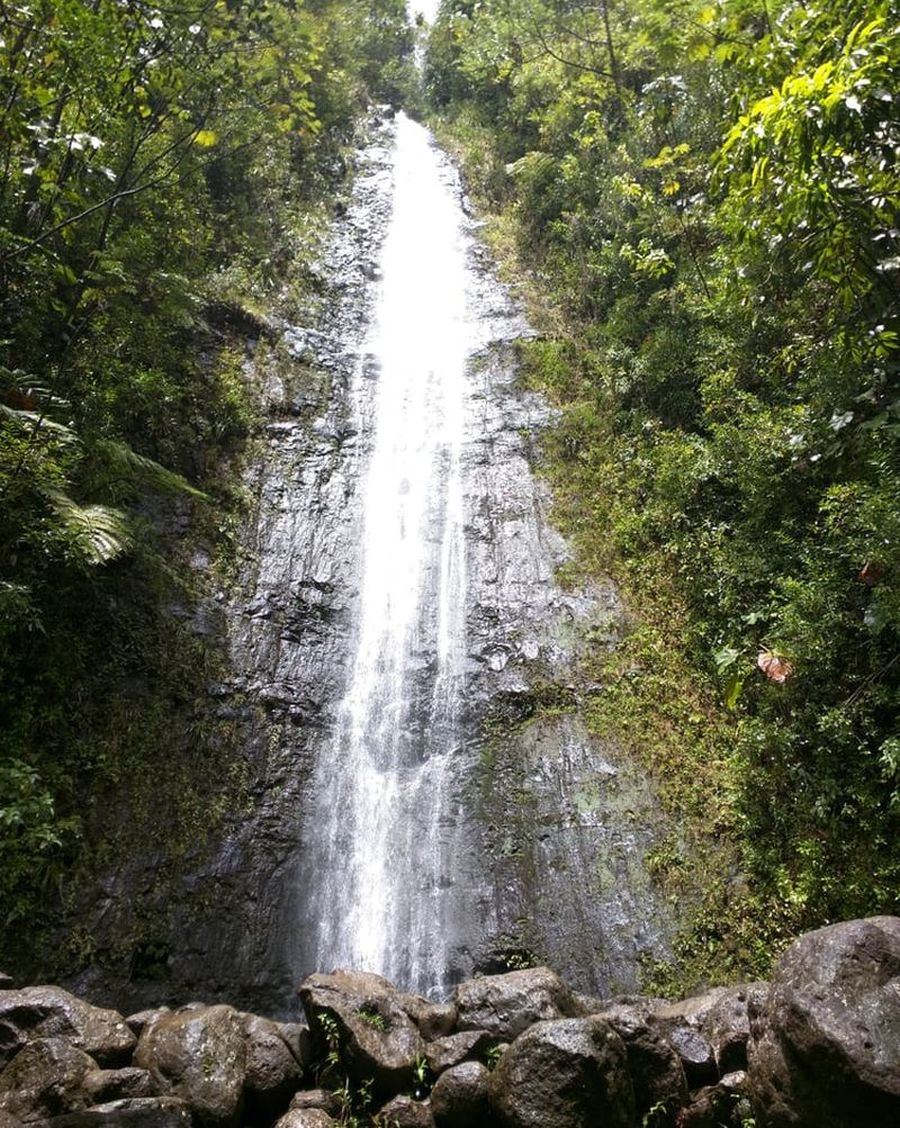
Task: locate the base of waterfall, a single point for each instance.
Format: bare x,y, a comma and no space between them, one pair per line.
818,1045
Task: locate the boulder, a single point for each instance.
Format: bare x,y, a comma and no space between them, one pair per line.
716,1105
359,1016
317,1098
506,1005
461,1097
273,1073
434,1020
726,1025
443,1053
199,1055
825,1045
657,1074
140,1112
50,1012
45,1078
404,1112
696,1055
564,1073
306,1118
299,1041
105,1085
137,1022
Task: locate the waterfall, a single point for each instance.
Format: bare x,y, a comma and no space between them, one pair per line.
384,830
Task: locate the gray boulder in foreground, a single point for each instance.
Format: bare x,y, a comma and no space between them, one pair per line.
565,1073
51,1012
506,1005
200,1055
824,1050
372,1033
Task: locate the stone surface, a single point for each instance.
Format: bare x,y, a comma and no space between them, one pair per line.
136,1022
105,1085
377,1040
656,1071
299,1041
49,1012
696,1056
727,1025
434,1020
305,1118
404,1112
505,1005
199,1055
716,1105
445,1052
317,1098
461,1097
142,1112
825,1045
45,1078
564,1073
273,1073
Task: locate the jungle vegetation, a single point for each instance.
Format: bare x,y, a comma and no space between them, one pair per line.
161,168
702,201
705,196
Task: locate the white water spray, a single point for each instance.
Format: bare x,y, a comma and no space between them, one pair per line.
381,790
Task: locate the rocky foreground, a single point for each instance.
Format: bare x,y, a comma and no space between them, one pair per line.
818,1046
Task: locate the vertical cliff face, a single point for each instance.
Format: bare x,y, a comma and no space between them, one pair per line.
424,800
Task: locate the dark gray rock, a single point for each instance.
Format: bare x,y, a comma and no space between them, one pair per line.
142,1112
434,1020
323,1099
376,1038
50,1012
565,1073
461,1097
717,1106
404,1112
299,1040
443,1053
825,1045
656,1070
45,1078
506,1005
137,1022
696,1055
273,1073
200,1055
727,1025
105,1085
306,1118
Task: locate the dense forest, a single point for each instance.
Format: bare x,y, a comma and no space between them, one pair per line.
698,203
706,198
165,172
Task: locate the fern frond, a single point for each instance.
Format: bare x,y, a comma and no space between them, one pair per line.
98,533
123,462
34,419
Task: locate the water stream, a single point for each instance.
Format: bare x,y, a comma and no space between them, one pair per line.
380,789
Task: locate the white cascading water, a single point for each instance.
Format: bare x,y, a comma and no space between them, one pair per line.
385,830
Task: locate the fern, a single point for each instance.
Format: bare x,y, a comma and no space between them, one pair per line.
98,533
122,462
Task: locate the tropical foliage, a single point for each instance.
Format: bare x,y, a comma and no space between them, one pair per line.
157,163
710,194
